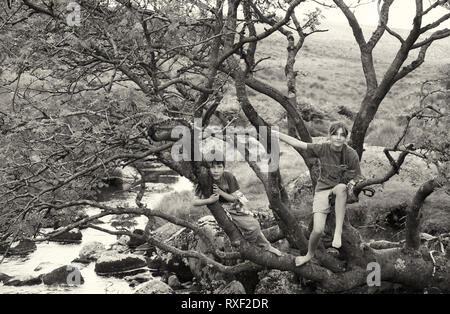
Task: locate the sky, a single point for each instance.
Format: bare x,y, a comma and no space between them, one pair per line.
400,15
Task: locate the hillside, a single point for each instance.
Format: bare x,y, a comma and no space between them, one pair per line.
330,73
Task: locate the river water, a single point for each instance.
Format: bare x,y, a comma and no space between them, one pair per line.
51,255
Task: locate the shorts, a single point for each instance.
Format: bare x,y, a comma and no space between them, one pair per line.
321,202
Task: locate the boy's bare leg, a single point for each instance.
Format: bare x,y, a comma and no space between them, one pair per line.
341,200
319,226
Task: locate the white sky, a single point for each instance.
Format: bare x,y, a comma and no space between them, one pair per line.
400,15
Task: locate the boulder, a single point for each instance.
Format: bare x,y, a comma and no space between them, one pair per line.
20,281
135,241
64,275
113,263
91,251
166,231
154,287
121,244
180,266
173,282
72,236
203,273
145,249
60,218
180,238
234,287
43,265
124,221
278,282
139,278
156,262
4,277
24,247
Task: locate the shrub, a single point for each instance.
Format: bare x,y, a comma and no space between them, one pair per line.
179,204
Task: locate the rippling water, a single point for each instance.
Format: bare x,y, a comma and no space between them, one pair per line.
54,255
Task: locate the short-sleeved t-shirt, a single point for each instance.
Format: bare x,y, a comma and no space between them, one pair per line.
335,166
226,183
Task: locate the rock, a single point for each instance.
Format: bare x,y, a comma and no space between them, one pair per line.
81,261
300,191
91,251
113,263
121,244
278,282
140,278
72,236
64,275
135,241
4,277
146,249
203,273
173,282
154,287
179,266
20,281
156,262
43,265
157,188
124,221
234,287
166,231
24,247
60,218
180,238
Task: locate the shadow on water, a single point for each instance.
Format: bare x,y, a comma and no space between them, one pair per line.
116,188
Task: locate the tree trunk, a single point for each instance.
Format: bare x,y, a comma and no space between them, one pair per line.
414,214
369,108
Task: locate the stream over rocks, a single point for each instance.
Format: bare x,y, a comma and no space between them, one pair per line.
92,257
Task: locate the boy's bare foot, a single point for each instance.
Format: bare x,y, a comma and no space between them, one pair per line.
336,243
300,260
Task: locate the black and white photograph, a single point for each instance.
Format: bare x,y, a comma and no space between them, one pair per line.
224,152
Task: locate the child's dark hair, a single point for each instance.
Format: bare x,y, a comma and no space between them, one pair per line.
335,126
215,162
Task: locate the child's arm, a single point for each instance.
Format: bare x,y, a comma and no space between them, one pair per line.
207,201
292,141
228,197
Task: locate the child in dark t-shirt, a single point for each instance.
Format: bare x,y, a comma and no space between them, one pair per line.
226,191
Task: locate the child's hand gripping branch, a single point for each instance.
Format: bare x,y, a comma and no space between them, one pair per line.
226,196
207,201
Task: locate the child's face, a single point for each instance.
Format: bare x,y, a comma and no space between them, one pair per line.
217,171
338,138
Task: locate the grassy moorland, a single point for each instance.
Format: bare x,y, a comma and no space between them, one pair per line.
330,75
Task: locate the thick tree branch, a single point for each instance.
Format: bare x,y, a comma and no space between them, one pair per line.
414,215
